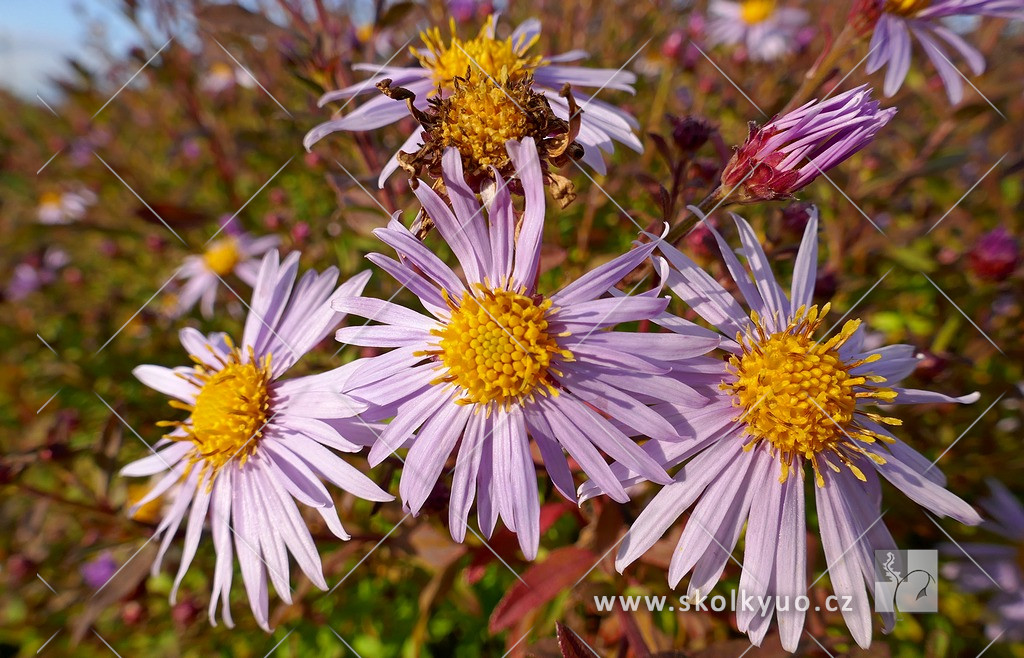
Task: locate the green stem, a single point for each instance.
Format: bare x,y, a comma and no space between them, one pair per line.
688,221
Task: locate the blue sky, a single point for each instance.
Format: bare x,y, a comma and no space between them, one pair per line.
37,36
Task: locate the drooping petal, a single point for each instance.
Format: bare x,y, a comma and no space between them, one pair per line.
720,506
837,536
527,250
672,501
294,531
246,520
467,465
193,532
430,450
791,561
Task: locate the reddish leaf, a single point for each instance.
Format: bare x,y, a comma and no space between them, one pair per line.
633,634
571,644
543,582
505,544
176,216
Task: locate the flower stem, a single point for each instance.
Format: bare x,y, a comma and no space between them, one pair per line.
689,220
822,68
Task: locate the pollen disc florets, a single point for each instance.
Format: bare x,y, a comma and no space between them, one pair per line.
497,347
447,62
800,397
222,256
906,7
227,418
480,116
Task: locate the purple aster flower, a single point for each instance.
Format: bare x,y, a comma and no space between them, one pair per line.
36,272
252,442
65,207
495,362
98,571
997,568
892,22
782,401
233,252
223,76
440,63
766,30
790,151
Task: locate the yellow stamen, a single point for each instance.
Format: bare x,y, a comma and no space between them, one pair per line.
446,62
222,256
800,397
756,11
497,347
906,7
232,406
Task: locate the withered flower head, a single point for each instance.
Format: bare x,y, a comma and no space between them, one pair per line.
479,116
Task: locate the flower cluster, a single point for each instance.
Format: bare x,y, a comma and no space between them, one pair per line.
729,410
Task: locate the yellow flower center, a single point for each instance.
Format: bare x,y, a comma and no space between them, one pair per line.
800,398
222,256
364,32
221,69
446,62
227,419
755,11
50,199
480,116
906,7
497,347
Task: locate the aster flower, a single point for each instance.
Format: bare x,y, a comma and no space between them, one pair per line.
496,362
222,77
233,252
36,272
65,207
997,568
252,441
784,401
892,22
440,63
766,30
787,153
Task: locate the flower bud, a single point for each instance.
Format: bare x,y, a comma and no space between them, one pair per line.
995,256
790,151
